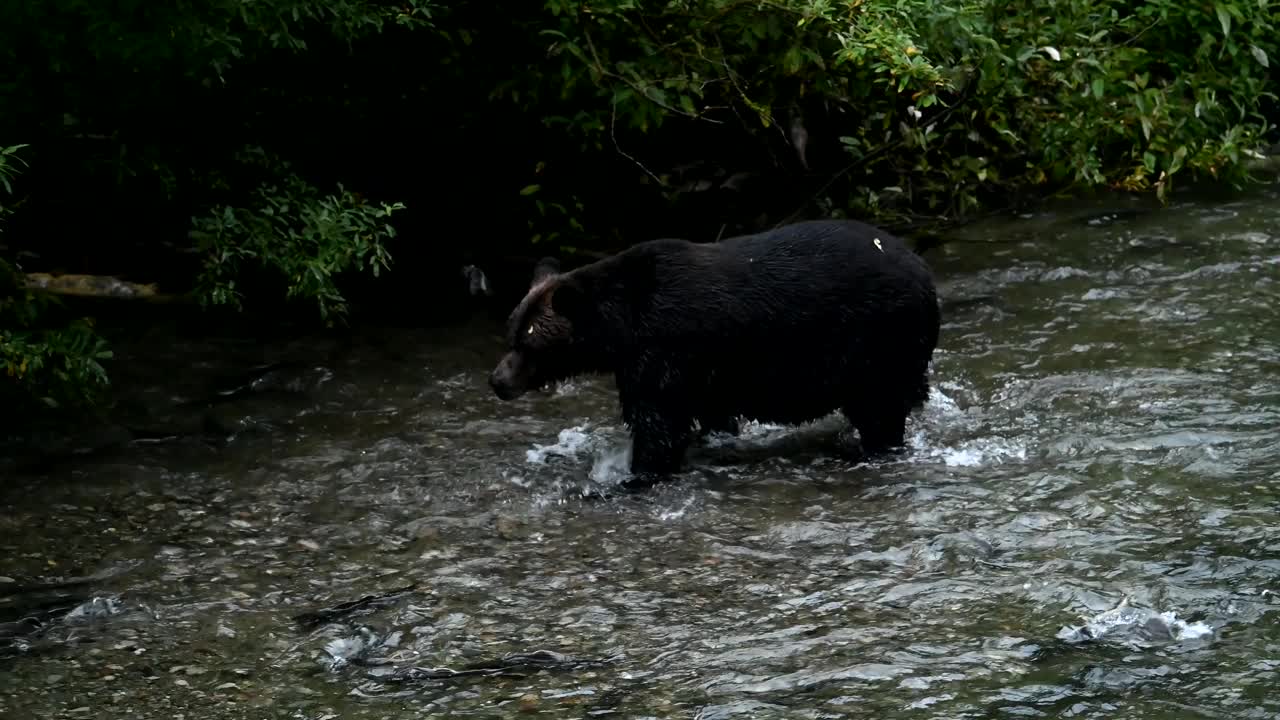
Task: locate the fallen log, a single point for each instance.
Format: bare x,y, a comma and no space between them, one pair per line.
99,286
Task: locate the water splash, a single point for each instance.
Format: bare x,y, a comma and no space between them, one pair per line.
1143,624
570,442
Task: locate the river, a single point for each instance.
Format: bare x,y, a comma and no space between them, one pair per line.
1085,525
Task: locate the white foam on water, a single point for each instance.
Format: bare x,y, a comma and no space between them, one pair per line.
1123,617
676,513
517,480
612,465
1062,273
1184,630
610,460
342,650
1104,294
750,433
610,457
97,607
941,406
568,444
942,414
567,388
981,452
961,457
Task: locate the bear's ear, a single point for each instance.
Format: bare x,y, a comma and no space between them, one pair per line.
568,298
545,268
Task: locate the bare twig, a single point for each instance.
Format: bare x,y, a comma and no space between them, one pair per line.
836,176
613,121
733,78
1141,32
868,158
643,91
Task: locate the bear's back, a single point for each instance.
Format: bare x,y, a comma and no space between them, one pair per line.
825,245
799,282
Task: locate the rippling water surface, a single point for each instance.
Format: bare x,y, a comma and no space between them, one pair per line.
1085,525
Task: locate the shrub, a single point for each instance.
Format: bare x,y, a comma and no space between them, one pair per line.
292,230
53,363
942,106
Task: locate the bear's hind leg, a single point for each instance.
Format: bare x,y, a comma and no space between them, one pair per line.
879,411
882,430
883,436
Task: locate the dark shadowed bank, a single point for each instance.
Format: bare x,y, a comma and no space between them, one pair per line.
343,161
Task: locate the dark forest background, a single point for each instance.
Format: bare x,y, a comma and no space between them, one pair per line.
340,161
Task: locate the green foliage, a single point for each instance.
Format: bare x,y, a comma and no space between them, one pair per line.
940,104
206,37
56,365
549,220
122,57
140,74
8,171
295,231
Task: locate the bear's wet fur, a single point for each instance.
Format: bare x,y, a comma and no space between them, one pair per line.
783,326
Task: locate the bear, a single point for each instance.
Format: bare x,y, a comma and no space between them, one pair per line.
782,326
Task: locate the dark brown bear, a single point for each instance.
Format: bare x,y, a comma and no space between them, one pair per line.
783,326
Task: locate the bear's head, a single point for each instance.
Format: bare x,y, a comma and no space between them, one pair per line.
546,338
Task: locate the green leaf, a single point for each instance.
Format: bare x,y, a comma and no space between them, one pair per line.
530,189
1260,55
1224,18
1149,160
1098,87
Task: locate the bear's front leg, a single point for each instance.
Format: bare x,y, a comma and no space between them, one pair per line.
658,445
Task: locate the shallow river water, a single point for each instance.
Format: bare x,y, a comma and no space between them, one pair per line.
1086,524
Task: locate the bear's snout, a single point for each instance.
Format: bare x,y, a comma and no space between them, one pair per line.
506,379
502,388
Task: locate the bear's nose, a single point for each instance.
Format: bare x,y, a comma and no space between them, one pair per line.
498,383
